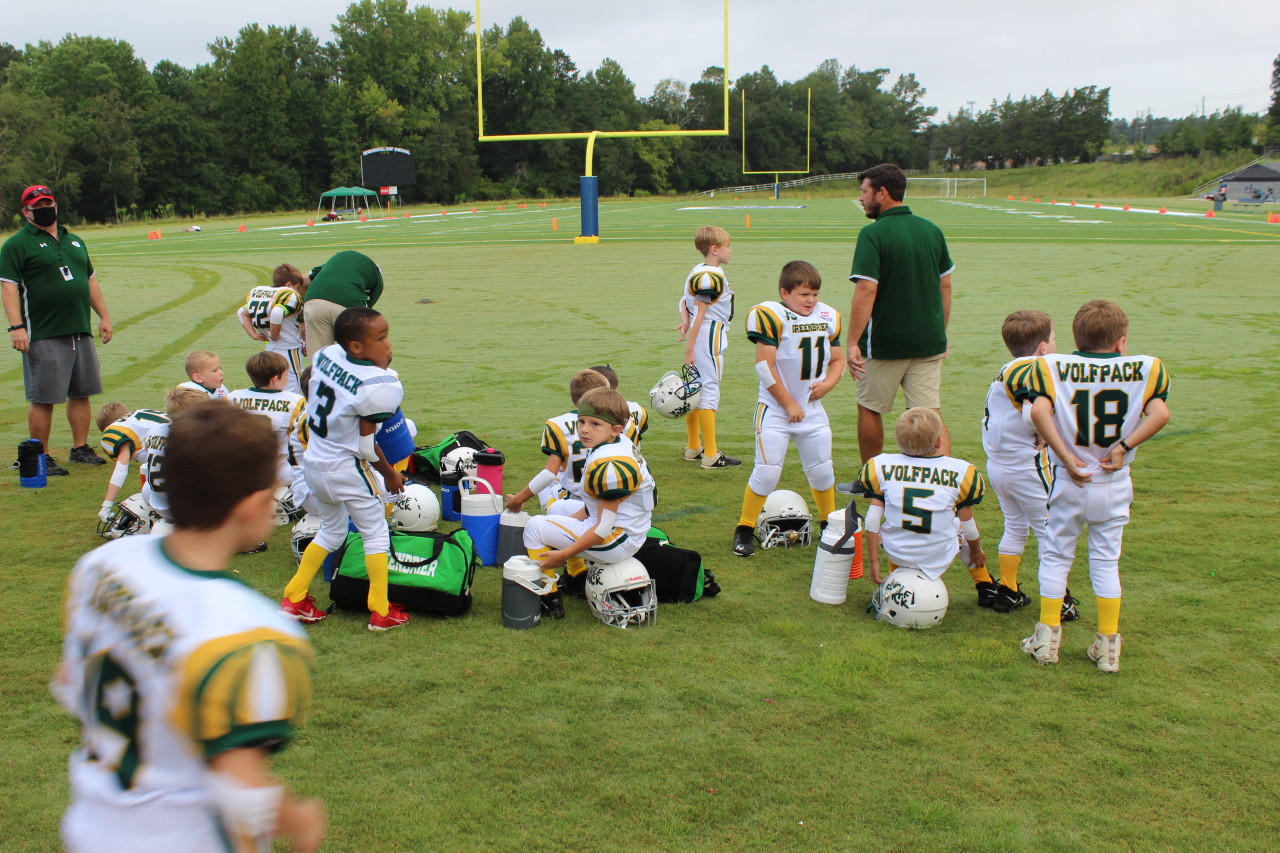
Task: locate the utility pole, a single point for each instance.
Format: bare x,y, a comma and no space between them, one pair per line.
971,103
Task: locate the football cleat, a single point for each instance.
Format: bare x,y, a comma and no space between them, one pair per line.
396,616
302,611
1105,652
1008,600
1043,643
988,591
743,545
553,604
692,454
1070,612
854,488
719,461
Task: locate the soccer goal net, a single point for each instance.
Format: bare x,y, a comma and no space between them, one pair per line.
946,187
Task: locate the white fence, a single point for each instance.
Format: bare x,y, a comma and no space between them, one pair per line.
917,186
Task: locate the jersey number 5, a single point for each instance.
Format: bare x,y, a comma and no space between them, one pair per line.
909,497
1109,408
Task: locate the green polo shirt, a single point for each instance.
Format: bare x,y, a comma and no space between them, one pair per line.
349,279
51,305
905,255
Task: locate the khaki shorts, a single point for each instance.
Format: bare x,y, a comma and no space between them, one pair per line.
920,378
319,315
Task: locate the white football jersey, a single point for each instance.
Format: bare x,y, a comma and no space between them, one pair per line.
617,470
1098,398
283,408
560,438
1005,436
131,431
166,667
343,392
708,284
153,482
260,305
219,393
638,424
921,495
804,345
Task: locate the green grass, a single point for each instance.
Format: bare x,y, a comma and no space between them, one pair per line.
758,719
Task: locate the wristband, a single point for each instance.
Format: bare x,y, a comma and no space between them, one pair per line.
1126,447
766,375
969,529
17,326
541,480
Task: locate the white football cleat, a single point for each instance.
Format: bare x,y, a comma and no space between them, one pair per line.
1043,643
1105,652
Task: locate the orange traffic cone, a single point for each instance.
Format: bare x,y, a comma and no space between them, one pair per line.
554,225
241,228
309,222
444,212
364,218
1097,204
473,210
1010,198
1037,199
1073,202
1055,201
153,236
1209,213
1126,207
748,220
406,214
1024,198
1162,210
499,207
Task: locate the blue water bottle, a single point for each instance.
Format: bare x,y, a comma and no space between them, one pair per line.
31,472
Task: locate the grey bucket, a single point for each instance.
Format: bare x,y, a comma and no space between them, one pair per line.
523,585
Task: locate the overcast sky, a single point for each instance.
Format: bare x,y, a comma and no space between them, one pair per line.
1165,56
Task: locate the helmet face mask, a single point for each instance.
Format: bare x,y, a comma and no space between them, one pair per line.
303,532
622,594
784,521
130,517
286,511
460,460
908,598
677,394
416,510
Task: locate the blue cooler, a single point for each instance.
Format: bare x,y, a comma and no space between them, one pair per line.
31,470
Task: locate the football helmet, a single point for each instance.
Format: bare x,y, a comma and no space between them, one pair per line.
130,516
908,599
303,532
622,594
460,460
784,521
161,526
417,509
676,394
286,510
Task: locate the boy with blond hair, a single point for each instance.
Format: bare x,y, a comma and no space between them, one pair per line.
204,372
1093,407
124,439
273,314
799,360
706,307
1017,464
269,372
921,500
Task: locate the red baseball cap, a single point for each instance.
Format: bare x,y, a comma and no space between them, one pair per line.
33,194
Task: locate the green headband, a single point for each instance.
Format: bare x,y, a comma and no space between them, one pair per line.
589,411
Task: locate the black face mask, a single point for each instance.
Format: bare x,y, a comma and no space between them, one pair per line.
43,217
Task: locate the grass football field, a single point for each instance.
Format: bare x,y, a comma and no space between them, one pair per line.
757,720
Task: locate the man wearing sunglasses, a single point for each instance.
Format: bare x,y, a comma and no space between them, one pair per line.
49,285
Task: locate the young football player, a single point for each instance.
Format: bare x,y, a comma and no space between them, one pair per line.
184,680
273,313
154,471
798,359
299,435
618,496
204,370
1093,407
269,372
706,308
1017,464
921,501
639,422
124,436
351,392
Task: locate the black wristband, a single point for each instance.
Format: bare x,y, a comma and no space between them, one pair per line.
17,327
1127,448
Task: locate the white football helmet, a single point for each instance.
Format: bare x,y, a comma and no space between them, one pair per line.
130,516
784,521
622,594
908,599
303,532
676,394
460,460
161,526
286,510
417,509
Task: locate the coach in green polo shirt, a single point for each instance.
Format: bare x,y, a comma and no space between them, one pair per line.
49,286
901,304
347,280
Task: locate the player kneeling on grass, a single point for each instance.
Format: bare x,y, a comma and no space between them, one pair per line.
798,359
618,497
183,678
920,500
1107,403
351,392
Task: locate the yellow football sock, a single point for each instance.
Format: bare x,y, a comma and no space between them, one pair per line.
691,426
376,567
312,560
1051,611
825,500
1009,570
1108,616
707,421
980,575
536,554
387,509
752,505
575,566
